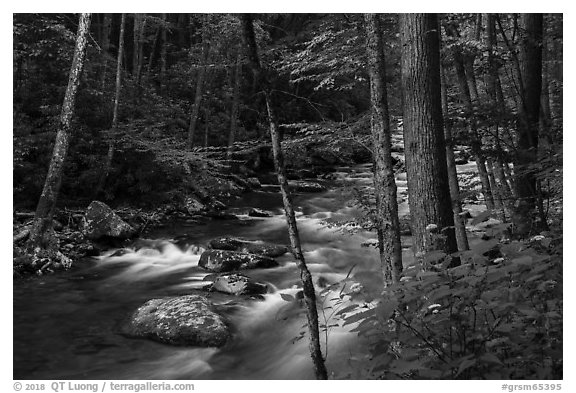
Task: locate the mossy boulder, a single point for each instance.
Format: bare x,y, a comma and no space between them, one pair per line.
248,246
102,222
237,284
184,320
225,261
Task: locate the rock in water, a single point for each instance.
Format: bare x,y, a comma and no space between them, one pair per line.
101,221
236,284
226,261
306,186
259,213
250,246
183,320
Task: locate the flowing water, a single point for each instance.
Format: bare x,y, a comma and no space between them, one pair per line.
66,326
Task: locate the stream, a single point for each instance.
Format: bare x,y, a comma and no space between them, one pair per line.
66,326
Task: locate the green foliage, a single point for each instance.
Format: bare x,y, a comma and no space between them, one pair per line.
487,320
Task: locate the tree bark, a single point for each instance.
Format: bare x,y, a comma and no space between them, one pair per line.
153,49
106,28
384,180
235,105
112,143
531,76
305,275
39,235
425,149
199,90
459,222
476,141
206,125
163,55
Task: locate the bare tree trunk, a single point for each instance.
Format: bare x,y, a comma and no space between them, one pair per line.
531,76
199,90
306,277
153,49
235,105
141,35
384,180
136,44
163,55
106,28
459,222
39,235
476,143
206,125
425,148
496,191
112,143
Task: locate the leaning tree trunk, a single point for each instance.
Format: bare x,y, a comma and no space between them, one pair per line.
305,275
235,105
112,143
384,182
459,222
531,76
428,186
39,235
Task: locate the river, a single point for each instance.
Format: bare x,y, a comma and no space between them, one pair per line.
66,326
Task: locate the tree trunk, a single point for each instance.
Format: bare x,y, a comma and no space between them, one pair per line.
206,125
199,90
531,76
112,143
235,105
459,222
476,142
384,180
163,55
39,235
306,277
136,44
106,28
425,149
153,49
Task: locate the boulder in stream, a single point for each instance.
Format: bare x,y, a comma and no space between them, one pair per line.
102,222
226,261
254,212
182,320
306,186
237,284
248,246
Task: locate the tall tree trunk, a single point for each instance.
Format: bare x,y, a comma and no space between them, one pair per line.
235,105
425,149
153,49
545,116
106,28
39,235
476,141
308,286
136,44
112,143
459,221
206,125
163,55
498,105
531,76
199,88
141,36
384,181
